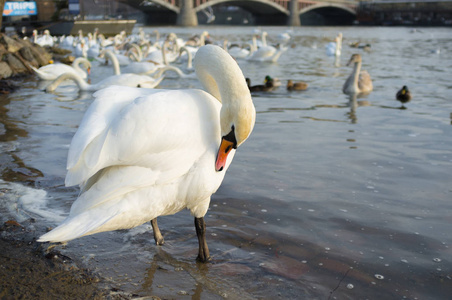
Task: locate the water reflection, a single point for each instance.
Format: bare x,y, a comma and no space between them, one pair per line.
12,167
353,104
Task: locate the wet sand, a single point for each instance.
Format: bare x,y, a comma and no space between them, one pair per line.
28,271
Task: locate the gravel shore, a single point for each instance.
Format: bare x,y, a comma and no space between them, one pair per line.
29,271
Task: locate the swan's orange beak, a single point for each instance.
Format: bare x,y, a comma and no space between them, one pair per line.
225,148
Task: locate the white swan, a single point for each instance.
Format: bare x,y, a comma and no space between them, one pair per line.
239,52
142,153
335,48
168,53
136,67
188,57
52,71
266,52
81,49
133,80
359,81
178,71
45,40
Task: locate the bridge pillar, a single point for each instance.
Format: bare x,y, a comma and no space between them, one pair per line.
187,15
294,17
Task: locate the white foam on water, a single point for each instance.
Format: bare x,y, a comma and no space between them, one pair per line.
21,203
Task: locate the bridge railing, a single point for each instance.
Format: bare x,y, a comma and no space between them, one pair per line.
285,3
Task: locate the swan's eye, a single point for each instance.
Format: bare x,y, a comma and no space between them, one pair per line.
138,85
231,138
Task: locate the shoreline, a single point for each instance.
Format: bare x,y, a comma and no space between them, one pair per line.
28,271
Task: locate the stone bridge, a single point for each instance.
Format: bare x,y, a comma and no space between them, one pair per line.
186,9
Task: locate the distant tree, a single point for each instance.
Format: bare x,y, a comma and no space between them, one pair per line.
2,6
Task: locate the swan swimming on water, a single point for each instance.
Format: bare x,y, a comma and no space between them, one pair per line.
52,71
359,81
143,153
129,79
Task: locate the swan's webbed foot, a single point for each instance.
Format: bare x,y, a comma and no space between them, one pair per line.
203,255
158,237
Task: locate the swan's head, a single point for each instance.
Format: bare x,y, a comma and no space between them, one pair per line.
236,126
354,59
223,79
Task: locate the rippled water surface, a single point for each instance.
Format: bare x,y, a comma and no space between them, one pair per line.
330,197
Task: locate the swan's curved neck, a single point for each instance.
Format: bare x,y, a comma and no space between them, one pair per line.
68,76
160,72
157,36
254,42
165,44
114,61
139,55
78,61
189,57
264,39
356,70
221,76
252,49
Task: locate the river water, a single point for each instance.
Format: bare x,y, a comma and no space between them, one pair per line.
329,198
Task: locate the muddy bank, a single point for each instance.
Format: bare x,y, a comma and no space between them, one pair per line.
29,271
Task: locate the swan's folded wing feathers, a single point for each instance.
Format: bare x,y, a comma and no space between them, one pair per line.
98,117
154,132
112,185
365,81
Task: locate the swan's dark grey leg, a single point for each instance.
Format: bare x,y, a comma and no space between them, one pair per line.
158,237
203,255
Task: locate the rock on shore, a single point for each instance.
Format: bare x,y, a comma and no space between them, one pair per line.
17,54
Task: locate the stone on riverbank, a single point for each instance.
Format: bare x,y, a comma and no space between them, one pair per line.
17,54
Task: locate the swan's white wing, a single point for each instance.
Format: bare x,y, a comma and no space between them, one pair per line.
52,71
263,52
140,68
129,79
108,102
165,130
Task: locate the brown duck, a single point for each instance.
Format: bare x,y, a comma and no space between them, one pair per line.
296,86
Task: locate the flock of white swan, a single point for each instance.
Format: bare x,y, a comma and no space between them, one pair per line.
140,152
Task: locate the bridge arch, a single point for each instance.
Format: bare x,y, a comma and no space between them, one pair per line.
166,4
324,5
250,5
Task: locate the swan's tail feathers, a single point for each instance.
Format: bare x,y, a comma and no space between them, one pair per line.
41,75
75,227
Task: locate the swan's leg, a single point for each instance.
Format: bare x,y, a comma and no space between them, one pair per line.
200,225
158,237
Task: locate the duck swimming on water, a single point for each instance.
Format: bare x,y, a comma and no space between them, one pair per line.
403,95
266,87
296,86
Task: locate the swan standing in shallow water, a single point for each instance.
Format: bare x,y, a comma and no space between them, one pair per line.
142,153
359,81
